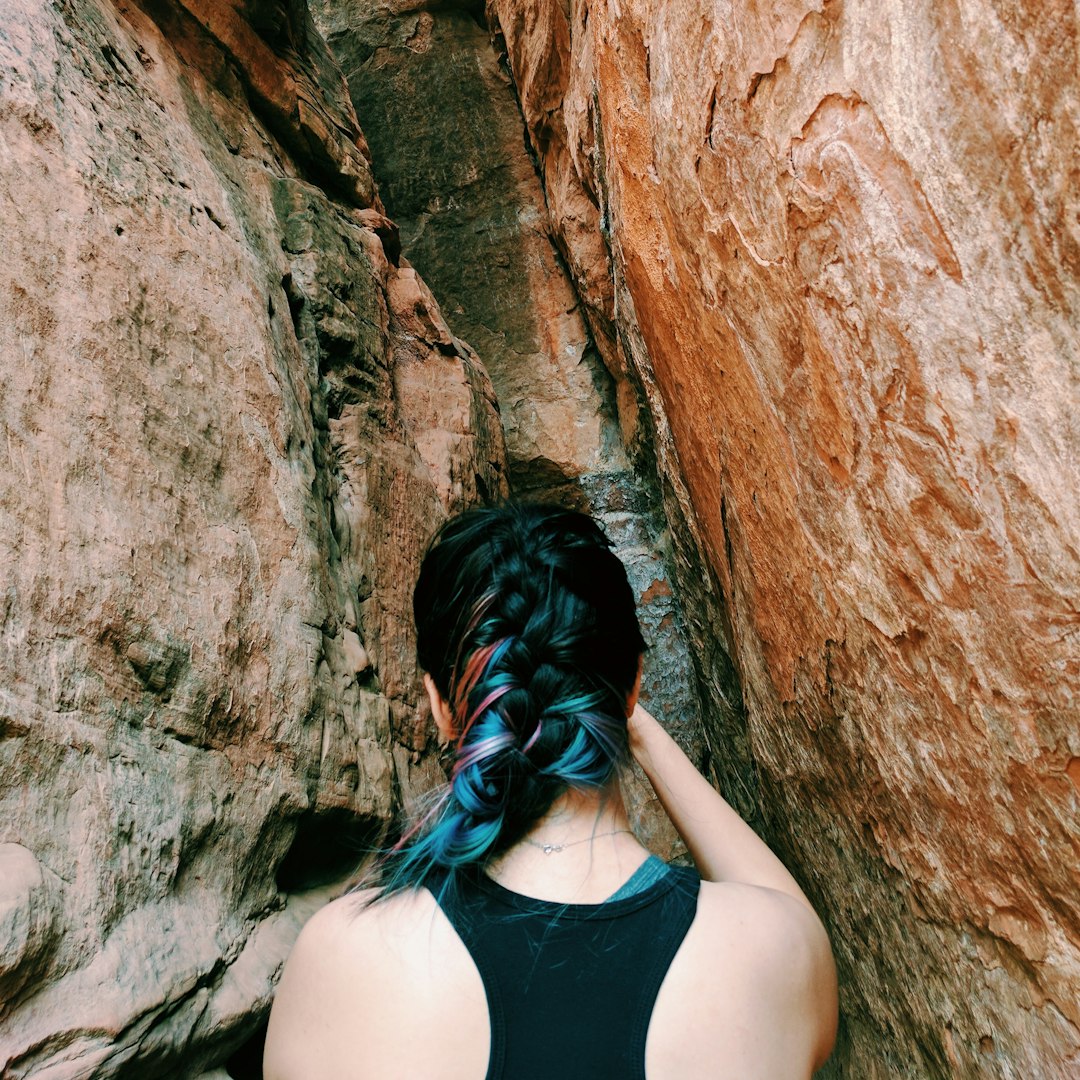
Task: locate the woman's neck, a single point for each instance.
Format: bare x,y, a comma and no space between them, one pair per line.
581,851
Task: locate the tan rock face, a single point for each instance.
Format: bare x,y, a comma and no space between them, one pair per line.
454,173
828,253
844,262
229,423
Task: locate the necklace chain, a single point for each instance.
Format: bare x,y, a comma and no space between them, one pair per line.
553,849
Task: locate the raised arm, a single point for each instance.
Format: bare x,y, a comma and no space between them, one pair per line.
795,956
723,846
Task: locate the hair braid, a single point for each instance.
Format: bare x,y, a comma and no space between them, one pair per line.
526,623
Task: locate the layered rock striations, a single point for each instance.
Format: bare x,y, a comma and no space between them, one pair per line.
454,174
231,416
836,245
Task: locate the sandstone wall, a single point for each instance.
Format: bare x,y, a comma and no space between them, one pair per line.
230,419
826,253
835,246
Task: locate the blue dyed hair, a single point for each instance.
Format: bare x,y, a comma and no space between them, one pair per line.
526,622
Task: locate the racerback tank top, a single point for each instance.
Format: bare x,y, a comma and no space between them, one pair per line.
570,987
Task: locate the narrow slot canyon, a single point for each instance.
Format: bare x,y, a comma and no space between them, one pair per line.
784,296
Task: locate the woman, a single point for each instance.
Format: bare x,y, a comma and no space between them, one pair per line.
521,932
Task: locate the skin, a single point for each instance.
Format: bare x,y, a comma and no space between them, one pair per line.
391,991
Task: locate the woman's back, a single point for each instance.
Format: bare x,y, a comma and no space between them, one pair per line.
546,966
532,653
395,992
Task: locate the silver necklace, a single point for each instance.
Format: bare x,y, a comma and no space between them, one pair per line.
552,849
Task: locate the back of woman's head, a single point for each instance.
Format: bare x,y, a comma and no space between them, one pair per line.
526,623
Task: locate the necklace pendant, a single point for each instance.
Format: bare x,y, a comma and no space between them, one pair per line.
549,848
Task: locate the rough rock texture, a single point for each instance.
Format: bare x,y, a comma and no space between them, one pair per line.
229,419
827,253
454,173
843,267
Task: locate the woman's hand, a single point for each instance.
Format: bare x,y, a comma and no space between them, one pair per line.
723,846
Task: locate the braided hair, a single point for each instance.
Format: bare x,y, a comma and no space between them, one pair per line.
527,625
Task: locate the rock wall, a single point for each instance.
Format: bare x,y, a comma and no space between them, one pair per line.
231,416
815,262
835,246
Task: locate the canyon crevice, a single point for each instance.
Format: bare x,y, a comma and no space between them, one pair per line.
786,295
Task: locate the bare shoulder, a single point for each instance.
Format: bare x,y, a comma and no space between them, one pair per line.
785,953
782,931
360,920
346,963
754,985
350,929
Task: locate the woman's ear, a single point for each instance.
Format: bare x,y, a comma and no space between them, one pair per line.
440,710
631,699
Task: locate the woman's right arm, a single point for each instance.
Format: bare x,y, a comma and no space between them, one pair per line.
725,849
723,846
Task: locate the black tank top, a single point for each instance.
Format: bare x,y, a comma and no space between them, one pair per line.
571,987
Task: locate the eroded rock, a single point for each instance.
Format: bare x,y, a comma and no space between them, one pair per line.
457,179
27,919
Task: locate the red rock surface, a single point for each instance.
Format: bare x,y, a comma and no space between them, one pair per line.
842,261
828,252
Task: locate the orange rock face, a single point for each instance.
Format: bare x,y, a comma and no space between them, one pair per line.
842,264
